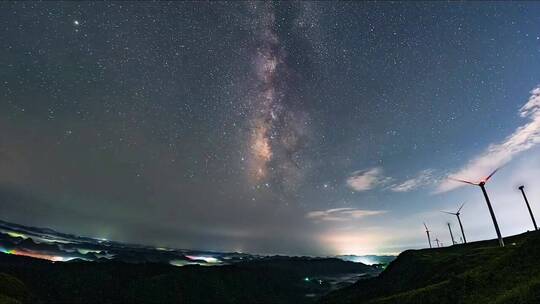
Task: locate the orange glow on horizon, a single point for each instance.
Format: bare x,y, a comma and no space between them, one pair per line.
36,255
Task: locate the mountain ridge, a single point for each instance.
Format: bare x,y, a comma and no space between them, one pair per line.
478,272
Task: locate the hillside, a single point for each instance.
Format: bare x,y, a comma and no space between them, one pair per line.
479,272
273,280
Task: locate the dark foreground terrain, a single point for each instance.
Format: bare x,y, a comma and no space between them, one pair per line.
479,272
278,280
41,265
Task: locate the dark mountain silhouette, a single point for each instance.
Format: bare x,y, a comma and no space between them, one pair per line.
273,280
40,265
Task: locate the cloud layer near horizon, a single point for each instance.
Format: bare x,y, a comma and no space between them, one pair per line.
524,138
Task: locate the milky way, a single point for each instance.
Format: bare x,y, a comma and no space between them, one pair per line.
228,125
278,132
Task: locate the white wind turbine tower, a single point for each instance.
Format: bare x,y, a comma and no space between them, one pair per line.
528,206
459,221
451,234
428,238
482,184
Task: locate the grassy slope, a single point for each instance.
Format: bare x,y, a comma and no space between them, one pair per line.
479,272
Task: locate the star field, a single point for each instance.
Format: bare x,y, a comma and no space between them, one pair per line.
224,125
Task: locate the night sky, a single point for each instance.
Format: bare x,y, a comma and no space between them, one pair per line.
294,128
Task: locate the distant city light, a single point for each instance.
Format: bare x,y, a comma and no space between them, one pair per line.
207,259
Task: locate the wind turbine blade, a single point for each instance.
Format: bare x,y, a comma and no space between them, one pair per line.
489,176
449,212
460,208
462,181
425,226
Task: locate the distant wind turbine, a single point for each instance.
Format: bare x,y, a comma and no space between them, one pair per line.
459,221
438,244
428,238
451,234
528,206
482,185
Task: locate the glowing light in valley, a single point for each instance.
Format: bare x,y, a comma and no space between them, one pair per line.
180,263
361,259
86,251
197,260
207,259
163,249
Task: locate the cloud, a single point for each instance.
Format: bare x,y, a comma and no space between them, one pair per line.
364,180
424,178
341,214
524,138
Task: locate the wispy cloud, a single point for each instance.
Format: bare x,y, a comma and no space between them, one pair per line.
341,214
424,178
364,180
524,138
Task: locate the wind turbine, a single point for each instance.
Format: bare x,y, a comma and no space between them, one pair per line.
482,185
459,221
438,244
451,234
428,238
528,206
